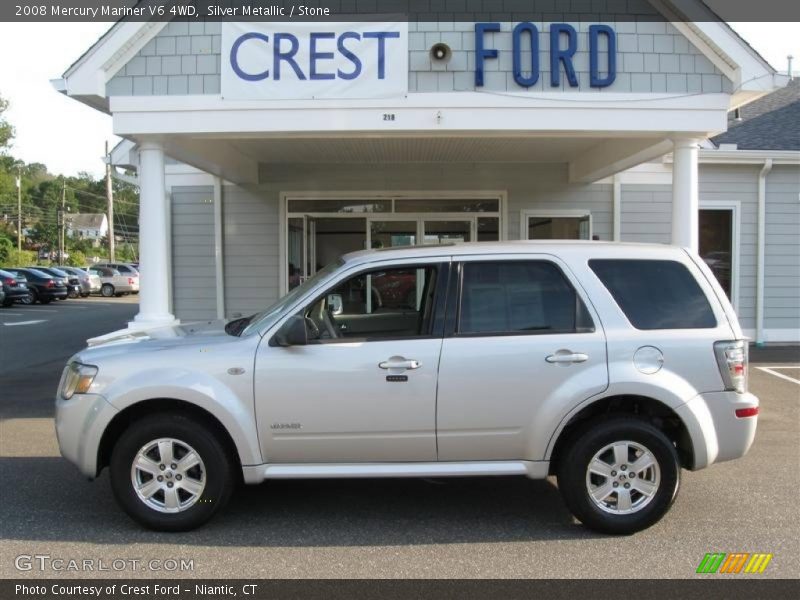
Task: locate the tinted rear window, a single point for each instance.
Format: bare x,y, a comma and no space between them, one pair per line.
656,294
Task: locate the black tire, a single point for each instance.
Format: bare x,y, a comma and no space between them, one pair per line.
73,294
107,291
582,448
34,296
219,470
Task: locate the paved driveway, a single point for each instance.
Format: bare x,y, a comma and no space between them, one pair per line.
504,527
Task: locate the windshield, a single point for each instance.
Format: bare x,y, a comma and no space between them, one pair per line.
265,318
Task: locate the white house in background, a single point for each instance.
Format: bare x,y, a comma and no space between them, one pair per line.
87,226
282,174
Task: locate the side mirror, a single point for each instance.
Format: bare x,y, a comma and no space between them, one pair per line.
292,333
335,304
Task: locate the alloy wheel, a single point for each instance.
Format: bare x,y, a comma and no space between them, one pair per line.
168,475
623,477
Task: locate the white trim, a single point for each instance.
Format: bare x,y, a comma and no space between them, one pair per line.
747,157
586,115
219,257
761,247
285,215
736,225
89,75
526,213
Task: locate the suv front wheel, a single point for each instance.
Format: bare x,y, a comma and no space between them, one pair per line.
170,472
619,475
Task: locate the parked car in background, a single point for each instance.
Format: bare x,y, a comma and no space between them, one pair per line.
126,269
44,288
611,366
15,288
72,282
90,284
113,283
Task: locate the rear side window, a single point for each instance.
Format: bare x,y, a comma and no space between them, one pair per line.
656,294
519,297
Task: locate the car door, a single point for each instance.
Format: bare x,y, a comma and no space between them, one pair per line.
363,389
525,344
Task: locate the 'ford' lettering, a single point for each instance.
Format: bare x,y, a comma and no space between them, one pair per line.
318,61
563,46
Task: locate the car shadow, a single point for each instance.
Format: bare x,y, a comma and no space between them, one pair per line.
45,499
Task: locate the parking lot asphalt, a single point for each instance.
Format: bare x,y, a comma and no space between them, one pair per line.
466,528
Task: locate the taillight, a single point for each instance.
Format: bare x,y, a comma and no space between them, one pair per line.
743,413
10,282
50,283
732,358
130,280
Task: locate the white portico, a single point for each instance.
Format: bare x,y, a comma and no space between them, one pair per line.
292,178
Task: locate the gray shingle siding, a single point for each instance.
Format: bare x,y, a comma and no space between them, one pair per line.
782,277
652,56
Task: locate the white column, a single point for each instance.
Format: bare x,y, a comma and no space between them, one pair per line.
154,247
685,194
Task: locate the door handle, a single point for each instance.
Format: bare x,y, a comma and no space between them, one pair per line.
567,357
398,362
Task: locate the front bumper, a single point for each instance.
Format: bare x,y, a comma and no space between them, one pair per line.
717,433
80,423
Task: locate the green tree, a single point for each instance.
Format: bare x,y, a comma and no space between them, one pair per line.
6,246
6,130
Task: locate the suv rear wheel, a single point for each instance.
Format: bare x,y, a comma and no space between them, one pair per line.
170,472
107,290
619,476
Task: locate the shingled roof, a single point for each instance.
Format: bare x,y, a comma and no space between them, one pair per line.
769,123
85,221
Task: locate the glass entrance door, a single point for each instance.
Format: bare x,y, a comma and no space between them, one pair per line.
542,226
390,233
441,231
318,229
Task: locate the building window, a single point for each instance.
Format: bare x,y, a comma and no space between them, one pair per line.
716,245
556,225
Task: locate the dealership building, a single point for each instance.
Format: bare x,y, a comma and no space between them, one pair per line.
263,151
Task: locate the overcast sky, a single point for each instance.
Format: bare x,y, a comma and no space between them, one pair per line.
68,137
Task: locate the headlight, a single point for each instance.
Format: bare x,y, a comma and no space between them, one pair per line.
77,379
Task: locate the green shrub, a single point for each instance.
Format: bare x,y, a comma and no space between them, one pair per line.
77,259
19,258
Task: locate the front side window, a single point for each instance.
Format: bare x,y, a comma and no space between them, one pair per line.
656,294
378,304
519,297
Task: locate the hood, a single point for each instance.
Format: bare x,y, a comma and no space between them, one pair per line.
128,341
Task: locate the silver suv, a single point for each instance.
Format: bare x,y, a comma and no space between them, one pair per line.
611,366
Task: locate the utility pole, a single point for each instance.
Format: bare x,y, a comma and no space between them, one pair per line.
110,196
19,207
62,222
